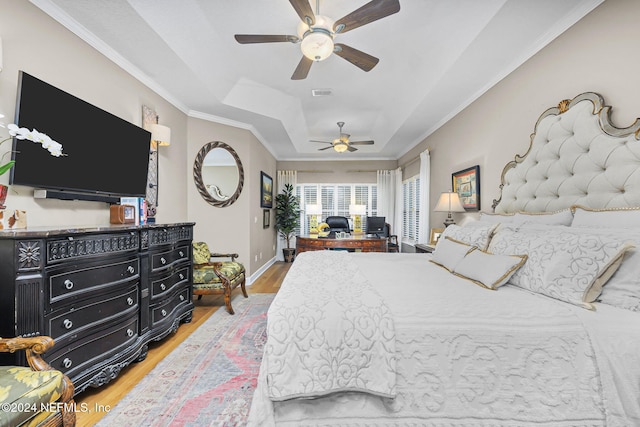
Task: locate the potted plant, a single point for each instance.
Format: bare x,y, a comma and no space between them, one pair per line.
287,219
55,149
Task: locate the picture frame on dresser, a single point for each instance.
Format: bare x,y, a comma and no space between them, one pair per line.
467,184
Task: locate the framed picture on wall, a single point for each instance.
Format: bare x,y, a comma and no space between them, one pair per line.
266,218
467,184
266,191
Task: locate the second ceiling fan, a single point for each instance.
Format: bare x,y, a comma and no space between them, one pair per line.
342,143
316,34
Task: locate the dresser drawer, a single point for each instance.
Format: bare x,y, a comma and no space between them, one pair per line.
165,259
76,282
74,320
167,284
164,311
83,354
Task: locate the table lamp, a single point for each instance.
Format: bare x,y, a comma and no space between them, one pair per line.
356,211
449,202
313,211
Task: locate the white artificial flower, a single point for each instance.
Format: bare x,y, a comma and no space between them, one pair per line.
55,148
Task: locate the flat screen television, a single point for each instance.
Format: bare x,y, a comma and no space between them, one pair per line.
375,225
104,155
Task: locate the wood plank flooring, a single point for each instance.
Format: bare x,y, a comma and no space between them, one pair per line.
99,400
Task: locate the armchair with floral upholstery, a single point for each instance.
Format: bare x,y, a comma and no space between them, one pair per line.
34,395
216,277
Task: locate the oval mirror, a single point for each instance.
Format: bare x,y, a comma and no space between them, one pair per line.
218,174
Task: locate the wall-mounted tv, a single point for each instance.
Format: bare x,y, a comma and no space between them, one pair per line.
105,156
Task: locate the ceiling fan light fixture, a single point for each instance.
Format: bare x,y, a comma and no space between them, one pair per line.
340,146
317,45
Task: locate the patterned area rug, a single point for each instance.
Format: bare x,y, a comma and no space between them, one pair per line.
209,379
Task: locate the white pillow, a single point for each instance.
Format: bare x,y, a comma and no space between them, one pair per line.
562,263
489,270
449,253
495,218
608,218
474,233
564,217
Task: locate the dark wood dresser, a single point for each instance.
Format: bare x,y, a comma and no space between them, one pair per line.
102,293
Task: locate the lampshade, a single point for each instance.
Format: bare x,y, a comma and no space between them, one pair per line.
449,202
160,135
317,46
340,146
313,209
357,209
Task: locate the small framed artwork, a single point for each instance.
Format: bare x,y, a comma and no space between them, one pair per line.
467,184
266,218
266,191
435,235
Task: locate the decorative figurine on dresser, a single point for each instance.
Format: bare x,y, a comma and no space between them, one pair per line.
101,293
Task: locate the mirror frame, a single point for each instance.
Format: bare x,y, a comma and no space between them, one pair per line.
197,174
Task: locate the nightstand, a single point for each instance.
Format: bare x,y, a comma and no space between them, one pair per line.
422,248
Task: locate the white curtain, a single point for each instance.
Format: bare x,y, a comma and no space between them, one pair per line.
425,171
283,178
390,198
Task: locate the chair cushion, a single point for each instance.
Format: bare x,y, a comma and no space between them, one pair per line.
204,274
201,253
24,388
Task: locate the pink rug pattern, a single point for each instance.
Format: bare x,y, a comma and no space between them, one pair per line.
209,379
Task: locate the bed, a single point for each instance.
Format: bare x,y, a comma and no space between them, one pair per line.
528,316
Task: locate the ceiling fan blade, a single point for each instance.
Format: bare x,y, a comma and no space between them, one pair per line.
304,11
360,142
324,142
362,60
352,149
325,148
372,11
265,38
302,69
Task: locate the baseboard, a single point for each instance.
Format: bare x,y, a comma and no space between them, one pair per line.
261,270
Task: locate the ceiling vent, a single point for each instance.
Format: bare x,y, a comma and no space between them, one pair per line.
321,92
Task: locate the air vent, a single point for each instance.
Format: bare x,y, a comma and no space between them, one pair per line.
321,92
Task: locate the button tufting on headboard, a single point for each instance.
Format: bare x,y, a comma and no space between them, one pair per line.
576,157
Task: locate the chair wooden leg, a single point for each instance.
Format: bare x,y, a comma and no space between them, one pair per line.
199,297
227,300
244,290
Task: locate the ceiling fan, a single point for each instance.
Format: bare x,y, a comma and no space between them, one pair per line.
342,143
316,34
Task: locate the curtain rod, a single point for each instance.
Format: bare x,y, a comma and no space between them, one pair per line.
313,171
407,163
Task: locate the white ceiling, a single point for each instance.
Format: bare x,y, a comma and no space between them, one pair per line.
436,57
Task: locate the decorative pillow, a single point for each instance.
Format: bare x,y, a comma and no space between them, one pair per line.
449,253
563,217
617,218
474,233
489,270
563,264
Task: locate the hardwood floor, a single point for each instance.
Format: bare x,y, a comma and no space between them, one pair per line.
98,401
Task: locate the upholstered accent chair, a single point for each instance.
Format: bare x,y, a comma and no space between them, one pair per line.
392,239
37,386
216,277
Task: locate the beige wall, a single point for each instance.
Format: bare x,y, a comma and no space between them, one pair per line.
338,171
598,54
37,44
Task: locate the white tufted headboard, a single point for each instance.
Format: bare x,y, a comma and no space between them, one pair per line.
576,157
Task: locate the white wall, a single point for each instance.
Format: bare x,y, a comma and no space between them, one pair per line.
598,54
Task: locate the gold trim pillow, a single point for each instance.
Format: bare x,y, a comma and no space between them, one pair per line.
613,217
489,270
475,233
450,252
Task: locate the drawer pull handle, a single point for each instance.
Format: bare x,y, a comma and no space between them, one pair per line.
129,332
164,312
67,363
163,261
67,323
181,254
68,284
131,270
181,297
162,286
181,276
130,301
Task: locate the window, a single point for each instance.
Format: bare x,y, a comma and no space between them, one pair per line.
335,200
411,209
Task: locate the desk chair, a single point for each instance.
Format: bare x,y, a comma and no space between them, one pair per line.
338,223
216,278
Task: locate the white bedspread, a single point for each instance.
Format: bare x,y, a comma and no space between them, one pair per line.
469,356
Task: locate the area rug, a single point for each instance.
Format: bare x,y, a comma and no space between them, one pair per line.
209,379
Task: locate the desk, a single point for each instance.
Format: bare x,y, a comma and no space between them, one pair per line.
362,242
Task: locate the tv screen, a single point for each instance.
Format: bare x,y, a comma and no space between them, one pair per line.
103,154
375,224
